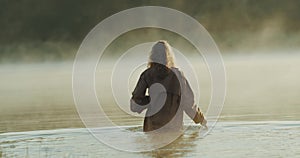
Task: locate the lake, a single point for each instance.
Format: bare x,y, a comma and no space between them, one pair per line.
260,117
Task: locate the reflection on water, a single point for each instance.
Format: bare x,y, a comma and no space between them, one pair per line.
186,143
228,139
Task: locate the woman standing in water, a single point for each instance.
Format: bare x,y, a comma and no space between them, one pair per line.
169,93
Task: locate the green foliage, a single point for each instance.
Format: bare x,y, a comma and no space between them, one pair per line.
25,23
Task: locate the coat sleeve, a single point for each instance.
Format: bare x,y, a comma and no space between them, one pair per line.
187,101
139,100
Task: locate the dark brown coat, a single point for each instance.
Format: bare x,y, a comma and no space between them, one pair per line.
177,99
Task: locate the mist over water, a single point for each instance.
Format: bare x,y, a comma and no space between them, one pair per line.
259,87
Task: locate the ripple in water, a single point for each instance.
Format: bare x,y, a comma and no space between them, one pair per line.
229,139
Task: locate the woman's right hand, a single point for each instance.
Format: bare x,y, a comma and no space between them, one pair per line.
203,123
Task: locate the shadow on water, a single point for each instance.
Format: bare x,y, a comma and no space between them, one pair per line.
183,145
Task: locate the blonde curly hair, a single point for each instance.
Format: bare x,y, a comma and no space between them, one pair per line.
161,53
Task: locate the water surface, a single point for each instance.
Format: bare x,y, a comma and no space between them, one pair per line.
228,139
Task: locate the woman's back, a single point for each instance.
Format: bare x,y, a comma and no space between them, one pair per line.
169,93
158,115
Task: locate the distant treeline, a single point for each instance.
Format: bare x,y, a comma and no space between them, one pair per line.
57,27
